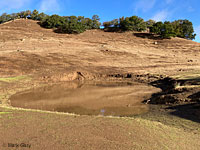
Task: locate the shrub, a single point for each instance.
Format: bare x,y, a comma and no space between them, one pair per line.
95,22
133,23
166,29
72,25
53,21
184,29
179,28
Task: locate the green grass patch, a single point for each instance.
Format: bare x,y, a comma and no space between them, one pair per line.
1,113
187,86
1,97
14,79
188,76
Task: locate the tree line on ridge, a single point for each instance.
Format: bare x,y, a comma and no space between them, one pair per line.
76,25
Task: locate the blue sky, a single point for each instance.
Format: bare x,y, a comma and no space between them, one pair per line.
159,10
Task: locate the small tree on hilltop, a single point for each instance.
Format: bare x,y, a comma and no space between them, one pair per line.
107,24
53,21
95,22
42,16
34,15
5,17
133,23
72,25
150,23
184,29
165,30
156,28
88,23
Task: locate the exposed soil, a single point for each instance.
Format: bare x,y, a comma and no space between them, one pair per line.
31,57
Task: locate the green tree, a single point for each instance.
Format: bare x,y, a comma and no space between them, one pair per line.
53,21
150,23
88,23
34,15
184,29
5,17
115,23
14,16
133,23
24,14
96,22
111,26
107,24
73,25
156,28
167,30
27,14
42,16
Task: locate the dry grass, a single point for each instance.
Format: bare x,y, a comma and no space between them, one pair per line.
14,79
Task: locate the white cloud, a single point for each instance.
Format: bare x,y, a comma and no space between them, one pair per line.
190,9
13,4
168,1
161,15
49,6
144,5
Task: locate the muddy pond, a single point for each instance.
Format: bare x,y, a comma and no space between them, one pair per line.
107,99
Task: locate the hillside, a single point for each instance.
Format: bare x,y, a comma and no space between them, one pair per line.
35,58
28,48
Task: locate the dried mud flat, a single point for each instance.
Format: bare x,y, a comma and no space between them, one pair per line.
33,57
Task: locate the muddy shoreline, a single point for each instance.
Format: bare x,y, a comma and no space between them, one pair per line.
172,106
178,104
175,94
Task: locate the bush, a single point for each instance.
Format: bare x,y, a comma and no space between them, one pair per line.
72,25
133,23
166,29
150,23
53,21
179,28
112,26
5,17
184,29
95,22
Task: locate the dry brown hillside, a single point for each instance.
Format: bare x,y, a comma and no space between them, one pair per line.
26,48
110,72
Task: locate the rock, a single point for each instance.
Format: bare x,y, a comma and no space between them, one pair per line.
163,99
129,105
156,43
128,75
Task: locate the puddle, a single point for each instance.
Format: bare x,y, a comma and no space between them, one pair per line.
107,99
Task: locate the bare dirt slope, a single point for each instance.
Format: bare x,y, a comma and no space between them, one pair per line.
26,48
32,55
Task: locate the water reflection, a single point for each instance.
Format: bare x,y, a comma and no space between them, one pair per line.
115,99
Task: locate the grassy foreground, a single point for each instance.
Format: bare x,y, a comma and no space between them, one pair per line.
41,131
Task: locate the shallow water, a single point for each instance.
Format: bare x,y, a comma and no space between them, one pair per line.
107,99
